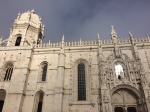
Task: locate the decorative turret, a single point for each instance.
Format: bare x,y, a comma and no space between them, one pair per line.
113,34
27,30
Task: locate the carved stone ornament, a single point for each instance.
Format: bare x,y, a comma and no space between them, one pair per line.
148,98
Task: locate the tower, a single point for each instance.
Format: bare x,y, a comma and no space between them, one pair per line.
27,30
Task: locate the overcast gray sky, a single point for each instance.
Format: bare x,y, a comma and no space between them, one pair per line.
81,18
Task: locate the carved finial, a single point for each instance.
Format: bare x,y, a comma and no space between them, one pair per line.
32,11
63,37
1,38
62,42
113,34
80,41
147,36
98,36
112,27
49,42
131,37
98,39
130,34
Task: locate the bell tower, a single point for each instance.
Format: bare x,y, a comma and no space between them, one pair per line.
27,30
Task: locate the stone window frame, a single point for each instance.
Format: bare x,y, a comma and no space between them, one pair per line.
37,98
81,82
120,62
41,71
75,82
6,66
16,37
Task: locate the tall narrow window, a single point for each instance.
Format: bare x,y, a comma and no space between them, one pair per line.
44,71
18,41
8,73
81,83
2,99
38,101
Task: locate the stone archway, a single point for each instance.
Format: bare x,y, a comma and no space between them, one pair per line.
124,99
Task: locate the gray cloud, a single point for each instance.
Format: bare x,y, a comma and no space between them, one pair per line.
81,18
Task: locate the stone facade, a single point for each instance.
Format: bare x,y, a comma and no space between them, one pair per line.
36,76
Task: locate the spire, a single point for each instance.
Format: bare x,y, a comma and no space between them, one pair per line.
113,34
130,34
131,37
134,47
98,39
98,36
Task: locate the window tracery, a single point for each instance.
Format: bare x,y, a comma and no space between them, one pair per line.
7,72
81,82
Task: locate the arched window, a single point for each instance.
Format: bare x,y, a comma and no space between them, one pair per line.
18,41
81,82
2,99
119,71
8,72
38,102
43,71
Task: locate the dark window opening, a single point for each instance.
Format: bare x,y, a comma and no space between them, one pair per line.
18,41
38,101
40,106
119,77
81,82
44,72
131,109
40,38
8,74
1,105
118,109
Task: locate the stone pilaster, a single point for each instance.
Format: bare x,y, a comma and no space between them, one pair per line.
134,47
60,80
105,103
